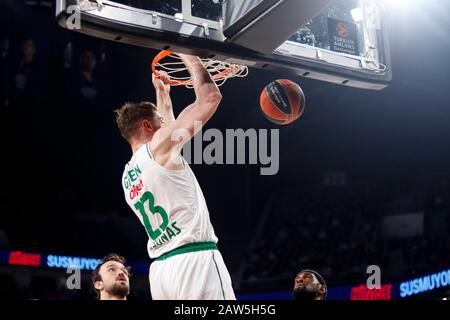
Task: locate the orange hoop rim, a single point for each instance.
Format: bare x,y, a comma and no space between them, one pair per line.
161,55
222,75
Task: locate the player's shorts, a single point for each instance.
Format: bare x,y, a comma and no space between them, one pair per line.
193,272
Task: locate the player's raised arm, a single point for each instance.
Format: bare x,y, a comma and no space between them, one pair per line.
207,98
206,90
163,100
207,95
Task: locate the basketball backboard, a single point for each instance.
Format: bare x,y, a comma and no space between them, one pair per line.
341,41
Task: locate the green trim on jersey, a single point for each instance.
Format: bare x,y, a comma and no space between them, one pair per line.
191,247
148,151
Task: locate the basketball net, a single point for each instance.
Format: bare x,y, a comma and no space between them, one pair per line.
177,71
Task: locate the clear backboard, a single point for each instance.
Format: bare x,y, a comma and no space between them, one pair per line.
342,41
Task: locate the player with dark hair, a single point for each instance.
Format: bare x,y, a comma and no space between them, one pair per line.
111,278
309,285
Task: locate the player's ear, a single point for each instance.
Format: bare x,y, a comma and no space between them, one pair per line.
98,285
322,289
147,124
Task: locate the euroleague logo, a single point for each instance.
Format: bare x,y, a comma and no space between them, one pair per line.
342,30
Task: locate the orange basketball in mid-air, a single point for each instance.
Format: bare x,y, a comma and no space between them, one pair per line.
282,101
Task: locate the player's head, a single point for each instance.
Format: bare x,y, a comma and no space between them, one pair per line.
111,278
309,285
138,121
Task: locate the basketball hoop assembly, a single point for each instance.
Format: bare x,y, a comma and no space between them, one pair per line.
220,71
339,41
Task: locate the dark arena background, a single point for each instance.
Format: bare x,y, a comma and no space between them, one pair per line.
363,179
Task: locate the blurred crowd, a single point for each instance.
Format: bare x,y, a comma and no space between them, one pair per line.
341,230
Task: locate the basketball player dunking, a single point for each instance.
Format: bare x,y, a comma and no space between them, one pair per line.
163,192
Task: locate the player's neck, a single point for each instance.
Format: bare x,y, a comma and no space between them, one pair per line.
136,147
107,296
137,144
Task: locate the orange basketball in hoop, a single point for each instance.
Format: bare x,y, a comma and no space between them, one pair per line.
282,101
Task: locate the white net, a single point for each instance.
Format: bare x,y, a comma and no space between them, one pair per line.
220,71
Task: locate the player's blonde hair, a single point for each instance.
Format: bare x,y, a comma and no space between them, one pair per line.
129,115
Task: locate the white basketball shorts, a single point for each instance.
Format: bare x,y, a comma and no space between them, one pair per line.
200,275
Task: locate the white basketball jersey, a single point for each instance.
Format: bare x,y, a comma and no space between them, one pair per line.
169,203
